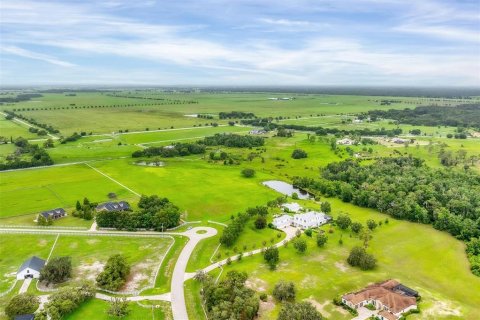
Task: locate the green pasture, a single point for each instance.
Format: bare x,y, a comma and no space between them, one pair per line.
10,128
427,260
109,119
31,191
97,309
205,191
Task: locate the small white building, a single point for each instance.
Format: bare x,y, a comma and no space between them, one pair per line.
31,268
291,207
345,142
282,221
357,121
399,140
310,219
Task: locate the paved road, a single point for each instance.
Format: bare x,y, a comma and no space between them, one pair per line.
179,307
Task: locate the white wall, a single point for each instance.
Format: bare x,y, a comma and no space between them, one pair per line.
27,271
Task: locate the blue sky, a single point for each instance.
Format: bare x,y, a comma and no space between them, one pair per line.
240,42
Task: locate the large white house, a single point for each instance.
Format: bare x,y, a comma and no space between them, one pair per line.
31,268
310,219
282,221
292,207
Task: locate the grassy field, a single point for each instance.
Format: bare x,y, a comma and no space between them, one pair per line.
9,128
430,261
164,115
89,254
31,191
204,190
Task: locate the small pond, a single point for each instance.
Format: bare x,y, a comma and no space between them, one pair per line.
150,163
287,189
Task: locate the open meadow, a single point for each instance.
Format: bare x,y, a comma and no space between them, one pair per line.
210,191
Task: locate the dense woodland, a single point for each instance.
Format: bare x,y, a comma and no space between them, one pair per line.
20,97
233,140
406,188
467,115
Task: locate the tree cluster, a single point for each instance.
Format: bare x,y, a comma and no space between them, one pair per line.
360,258
86,210
65,301
233,140
236,115
177,149
299,154
25,303
154,213
37,156
114,274
285,292
229,299
57,270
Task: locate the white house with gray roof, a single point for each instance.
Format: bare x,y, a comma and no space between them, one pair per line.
31,268
310,219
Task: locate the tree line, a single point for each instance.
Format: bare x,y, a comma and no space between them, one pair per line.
466,115
268,125
47,127
236,115
233,140
175,150
20,97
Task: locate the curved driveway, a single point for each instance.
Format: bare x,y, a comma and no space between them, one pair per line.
179,308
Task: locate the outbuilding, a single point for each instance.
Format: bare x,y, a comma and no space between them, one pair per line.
310,219
282,221
31,268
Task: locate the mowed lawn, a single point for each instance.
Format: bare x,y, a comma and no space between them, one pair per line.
432,262
97,309
15,249
90,253
204,190
31,191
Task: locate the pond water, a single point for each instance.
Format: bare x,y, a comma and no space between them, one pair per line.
150,164
287,189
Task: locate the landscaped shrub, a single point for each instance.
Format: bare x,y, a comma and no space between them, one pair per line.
248,173
299,154
284,291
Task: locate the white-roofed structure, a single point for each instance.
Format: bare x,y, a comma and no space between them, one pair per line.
292,207
310,219
282,221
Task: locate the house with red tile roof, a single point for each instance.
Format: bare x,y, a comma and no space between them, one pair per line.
390,297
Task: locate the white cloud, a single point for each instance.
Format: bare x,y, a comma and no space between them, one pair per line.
35,55
81,30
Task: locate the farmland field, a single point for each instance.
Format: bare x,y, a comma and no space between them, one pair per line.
210,191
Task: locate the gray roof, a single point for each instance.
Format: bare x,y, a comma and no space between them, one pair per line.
25,317
114,206
34,263
53,212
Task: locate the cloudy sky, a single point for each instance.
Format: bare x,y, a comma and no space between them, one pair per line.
241,42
